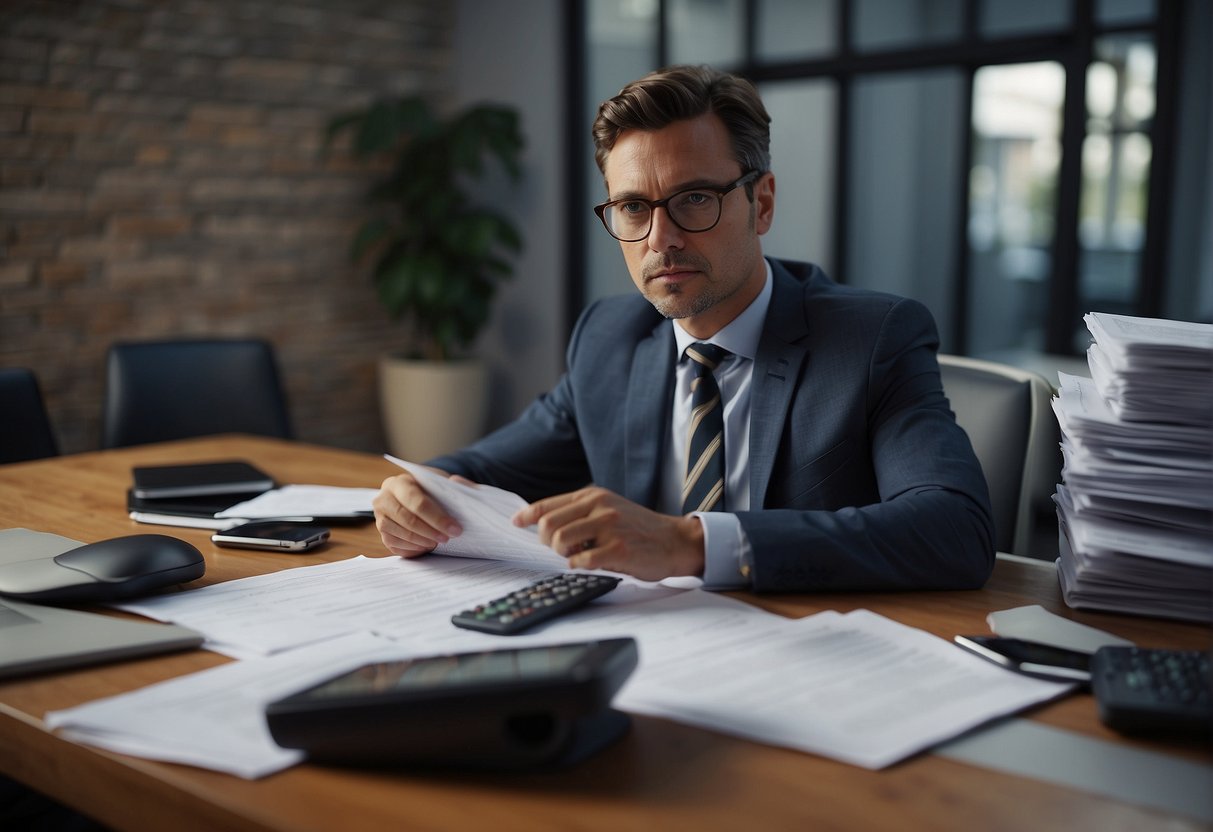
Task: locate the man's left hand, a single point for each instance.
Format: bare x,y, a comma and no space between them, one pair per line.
597,529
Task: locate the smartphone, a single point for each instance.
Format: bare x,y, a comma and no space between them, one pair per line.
487,709
1044,661
274,535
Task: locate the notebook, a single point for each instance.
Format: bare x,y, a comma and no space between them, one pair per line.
158,482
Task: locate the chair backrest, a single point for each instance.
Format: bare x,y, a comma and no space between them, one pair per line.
162,390
1006,413
25,429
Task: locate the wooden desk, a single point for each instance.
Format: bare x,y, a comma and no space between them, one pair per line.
662,776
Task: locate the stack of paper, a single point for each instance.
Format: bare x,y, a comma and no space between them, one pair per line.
1136,504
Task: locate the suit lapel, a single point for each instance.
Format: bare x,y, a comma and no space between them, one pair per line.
647,415
781,353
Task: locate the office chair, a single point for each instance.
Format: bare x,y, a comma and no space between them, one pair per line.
161,390
25,428
1006,413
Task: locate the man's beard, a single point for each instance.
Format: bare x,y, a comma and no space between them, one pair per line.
673,301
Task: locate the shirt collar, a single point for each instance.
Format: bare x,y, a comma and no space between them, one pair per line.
741,335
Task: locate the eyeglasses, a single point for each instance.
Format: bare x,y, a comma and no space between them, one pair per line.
693,210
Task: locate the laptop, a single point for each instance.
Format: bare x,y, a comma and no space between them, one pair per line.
36,638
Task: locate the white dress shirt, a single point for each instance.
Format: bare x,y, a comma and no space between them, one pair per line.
724,541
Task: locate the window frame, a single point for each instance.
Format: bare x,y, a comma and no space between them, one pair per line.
1072,47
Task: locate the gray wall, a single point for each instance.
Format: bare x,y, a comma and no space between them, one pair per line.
511,53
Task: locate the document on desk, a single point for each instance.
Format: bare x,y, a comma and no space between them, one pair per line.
484,512
215,718
304,501
857,687
411,600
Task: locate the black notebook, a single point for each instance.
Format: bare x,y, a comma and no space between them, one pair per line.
204,505
229,477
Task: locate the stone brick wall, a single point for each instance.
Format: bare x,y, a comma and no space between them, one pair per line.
160,177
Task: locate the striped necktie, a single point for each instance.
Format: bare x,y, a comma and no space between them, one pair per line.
703,487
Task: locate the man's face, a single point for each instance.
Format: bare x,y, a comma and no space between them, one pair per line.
703,279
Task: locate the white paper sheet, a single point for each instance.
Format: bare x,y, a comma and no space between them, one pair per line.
859,688
304,501
215,718
409,600
484,512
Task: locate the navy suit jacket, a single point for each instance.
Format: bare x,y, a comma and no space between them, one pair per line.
860,477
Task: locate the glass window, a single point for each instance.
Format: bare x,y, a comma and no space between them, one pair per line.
622,40
892,24
802,156
1012,194
1115,174
1120,12
1007,18
903,184
706,32
796,29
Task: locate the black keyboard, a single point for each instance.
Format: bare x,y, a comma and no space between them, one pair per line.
1144,691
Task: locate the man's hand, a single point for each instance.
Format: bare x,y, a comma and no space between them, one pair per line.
409,520
597,529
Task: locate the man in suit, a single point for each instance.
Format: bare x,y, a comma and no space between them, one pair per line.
742,419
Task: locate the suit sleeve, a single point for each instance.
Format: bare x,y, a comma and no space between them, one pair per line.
930,526
538,454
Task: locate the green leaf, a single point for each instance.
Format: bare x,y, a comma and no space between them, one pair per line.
439,253
396,281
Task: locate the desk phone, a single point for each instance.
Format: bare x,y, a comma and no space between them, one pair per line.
491,709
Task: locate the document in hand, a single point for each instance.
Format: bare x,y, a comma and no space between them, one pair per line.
484,512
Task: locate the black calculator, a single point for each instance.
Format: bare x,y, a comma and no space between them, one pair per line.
1153,691
535,603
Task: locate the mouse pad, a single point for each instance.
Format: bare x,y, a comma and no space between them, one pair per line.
27,558
18,545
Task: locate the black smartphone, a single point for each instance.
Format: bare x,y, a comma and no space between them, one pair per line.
274,535
488,709
1044,661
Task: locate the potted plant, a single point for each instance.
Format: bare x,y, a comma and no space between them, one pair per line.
436,257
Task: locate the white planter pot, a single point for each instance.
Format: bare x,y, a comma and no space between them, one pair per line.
431,408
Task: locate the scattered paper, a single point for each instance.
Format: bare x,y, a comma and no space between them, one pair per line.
304,501
858,688
410,600
216,718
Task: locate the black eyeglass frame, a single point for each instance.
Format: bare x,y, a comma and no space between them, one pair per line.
721,192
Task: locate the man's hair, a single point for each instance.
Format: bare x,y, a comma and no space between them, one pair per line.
682,92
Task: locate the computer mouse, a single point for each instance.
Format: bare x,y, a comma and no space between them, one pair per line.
108,570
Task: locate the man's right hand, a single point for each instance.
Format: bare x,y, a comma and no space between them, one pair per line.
409,520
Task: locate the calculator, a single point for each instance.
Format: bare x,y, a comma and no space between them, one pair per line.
535,603
1153,691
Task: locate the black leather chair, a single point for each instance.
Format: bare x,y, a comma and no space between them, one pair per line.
162,390
25,429
1006,413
